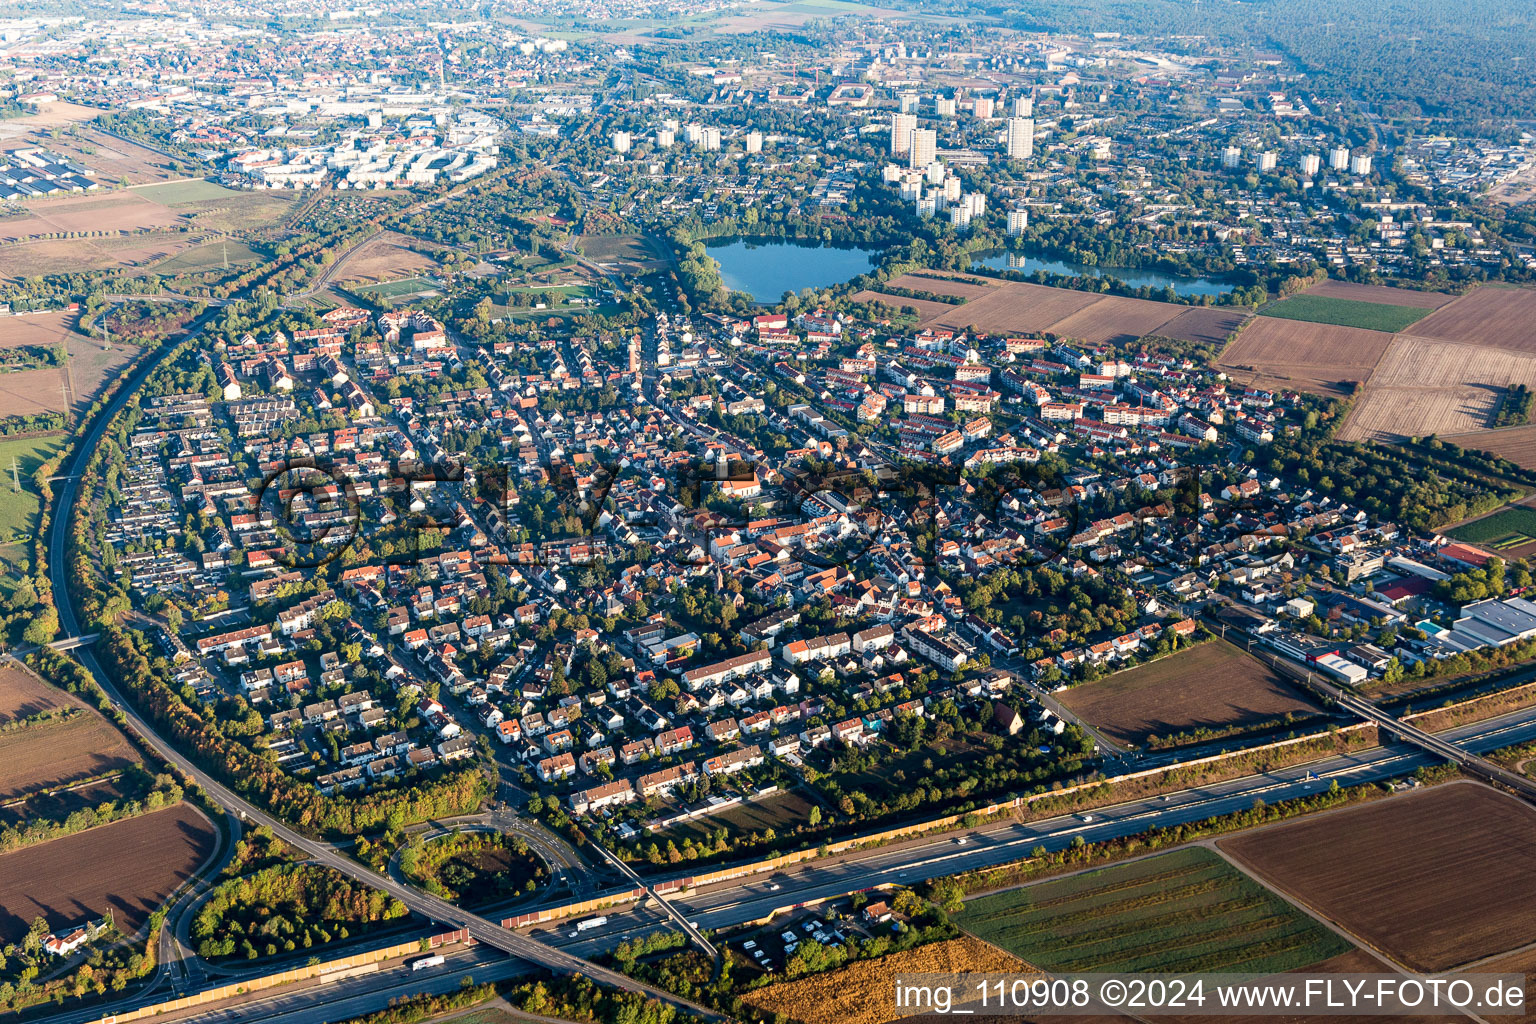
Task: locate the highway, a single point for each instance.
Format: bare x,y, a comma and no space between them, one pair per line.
902,863
430,907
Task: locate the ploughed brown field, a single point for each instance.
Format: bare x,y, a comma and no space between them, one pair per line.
1213,686
1275,353
967,288
23,695
114,211
927,309
56,753
1495,316
1115,319
1210,325
1517,444
127,868
1014,308
386,258
1380,293
1435,879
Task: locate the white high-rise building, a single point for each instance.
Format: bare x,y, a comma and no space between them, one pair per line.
1018,221
927,206
693,133
983,107
902,127
1338,158
1231,157
665,137
754,142
909,103
944,106
1024,106
1019,142
1265,161
923,148
935,173
952,188
1360,164
709,140
1310,164
621,142
960,216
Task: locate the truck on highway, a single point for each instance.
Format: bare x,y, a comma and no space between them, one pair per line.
588,925
428,961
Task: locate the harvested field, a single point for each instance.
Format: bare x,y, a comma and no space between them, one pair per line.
127,868
1493,315
111,212
1117,320
56,753
1392,414
1014,308
1322,309
1423,386
53,256
23,695
1276,353
1517,444
862,993
1213,687
26,392
1435,879
1204,325
1380,293
383,259
1188,910
36,328
927,309
966,288
57,114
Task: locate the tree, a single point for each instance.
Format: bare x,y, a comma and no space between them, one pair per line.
815,815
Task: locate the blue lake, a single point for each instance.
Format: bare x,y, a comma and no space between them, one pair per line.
1028,263
766,269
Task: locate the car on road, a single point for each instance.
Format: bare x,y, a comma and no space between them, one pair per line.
961,841
774,887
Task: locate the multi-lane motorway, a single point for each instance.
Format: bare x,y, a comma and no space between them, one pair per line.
904,863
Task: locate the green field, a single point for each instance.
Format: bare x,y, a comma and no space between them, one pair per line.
1322,309
1188,910
208,257
19,511
179,193
1508,528
396,289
